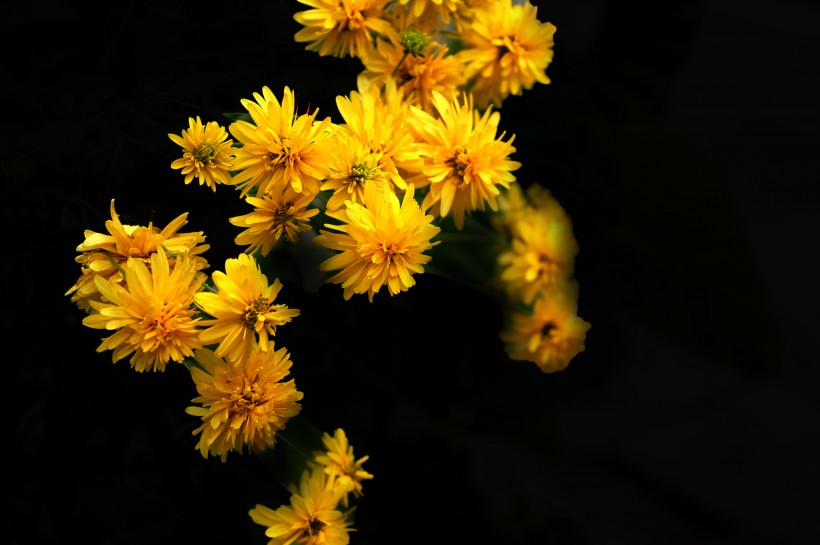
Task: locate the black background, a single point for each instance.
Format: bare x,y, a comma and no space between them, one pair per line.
681,139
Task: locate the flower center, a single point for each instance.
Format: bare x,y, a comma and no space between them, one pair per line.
458,162
205,154
315,526
548,328
281,215
258,306
508,44
244,398
359,174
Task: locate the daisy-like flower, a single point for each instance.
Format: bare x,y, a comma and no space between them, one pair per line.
506,49
276,215
379,118
342,27
207,153
430,12
344,469
542,250
104,255
280,147
242,406
380,242
312,518
551,335
243,313
464,160
352,166
152,313
417,76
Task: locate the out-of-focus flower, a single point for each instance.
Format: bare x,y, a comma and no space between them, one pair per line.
152,313
506,49
342,27
207,153
280,147
242,406
344,469
381,242
464,160
104,254
312,518
244,316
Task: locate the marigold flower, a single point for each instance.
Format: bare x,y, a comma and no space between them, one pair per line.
207,156
311,518
381,242
276,215
551,335
464,160
506,49
280,147
342,27
244,315
104,255
152,313
344,469
242,406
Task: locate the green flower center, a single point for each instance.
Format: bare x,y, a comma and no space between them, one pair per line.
205,154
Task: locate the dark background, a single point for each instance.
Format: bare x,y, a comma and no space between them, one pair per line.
681,139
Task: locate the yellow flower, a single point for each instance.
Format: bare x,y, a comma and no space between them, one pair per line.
430,12
152,313
551,335
353,165
464,160
381,242
244,405
416,76
311,518
342,27
276,215
506,49
344,469
542,250
208,154
243,312
280,148
104,255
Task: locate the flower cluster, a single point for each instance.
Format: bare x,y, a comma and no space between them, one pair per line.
416,152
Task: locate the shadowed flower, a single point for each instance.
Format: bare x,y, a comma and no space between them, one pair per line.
342,27
104,255
207,153
242,406
280,147
506,49
276,215
464,160
551,335
244,315
343,468
381,242
311,518
152,312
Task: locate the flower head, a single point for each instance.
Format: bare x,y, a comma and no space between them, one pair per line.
152,312
352,166
342,27
338,462
464,160
103,255
281,213
380,242
207,153
551,335
280,147
242,406
244,315
312,518
506,49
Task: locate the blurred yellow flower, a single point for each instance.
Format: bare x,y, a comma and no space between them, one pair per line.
242,406
381,242
243,313
152,313
312,518
551,335
344,469
506,49
281,213
464,160
207,153
342,27
280,147
104,255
